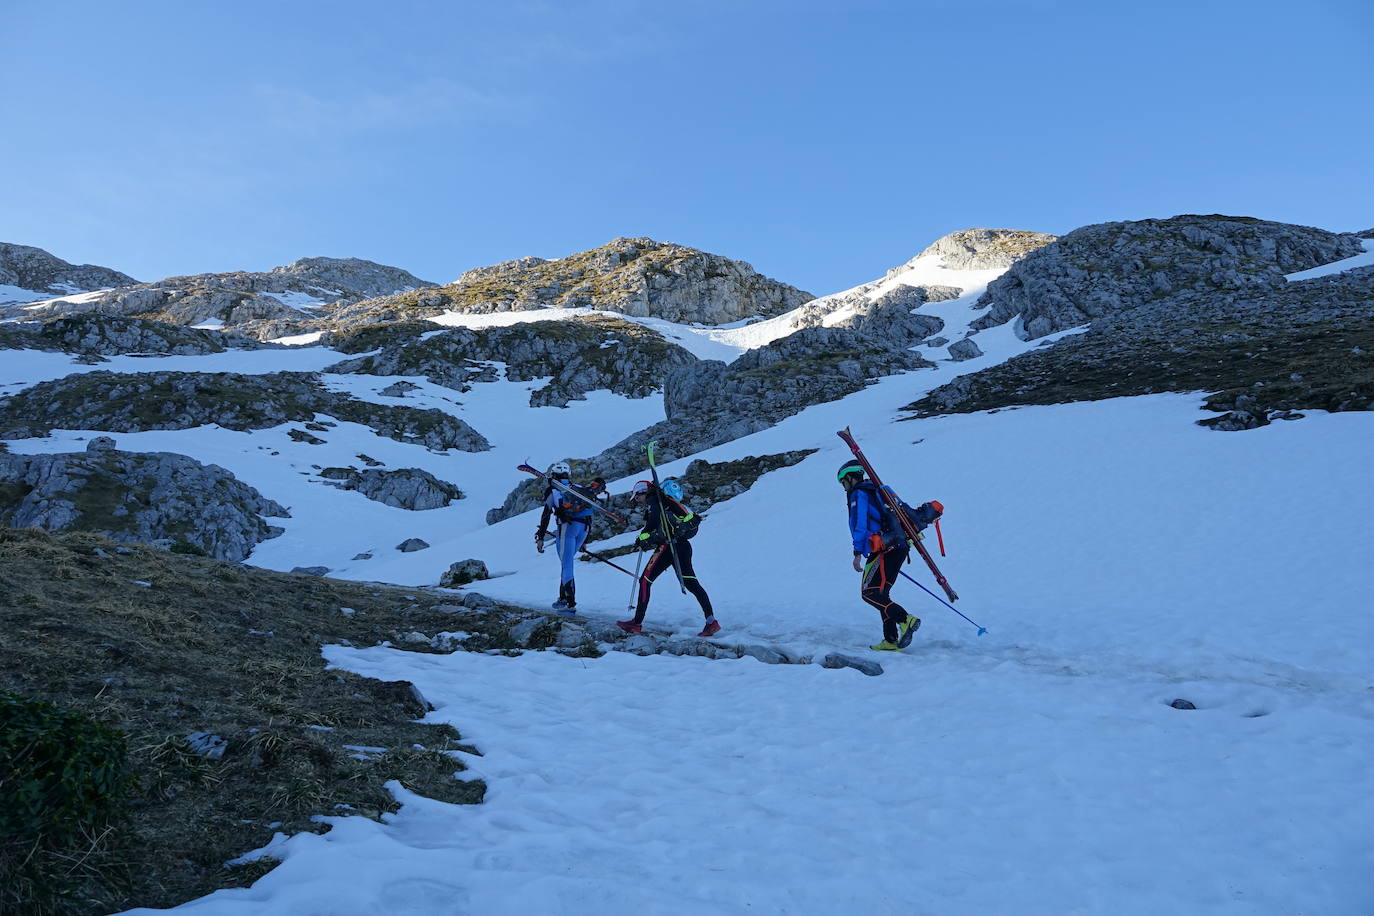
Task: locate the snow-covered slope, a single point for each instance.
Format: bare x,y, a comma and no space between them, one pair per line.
1120,556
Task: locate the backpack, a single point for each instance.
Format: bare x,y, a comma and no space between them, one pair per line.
684,522
892,533
569,508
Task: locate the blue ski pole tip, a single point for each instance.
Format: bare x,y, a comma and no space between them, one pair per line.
982,630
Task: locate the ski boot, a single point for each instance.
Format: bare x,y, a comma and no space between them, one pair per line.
629,626
886,646
711,629
567,600
906,630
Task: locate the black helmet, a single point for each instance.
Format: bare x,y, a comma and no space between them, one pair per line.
850,467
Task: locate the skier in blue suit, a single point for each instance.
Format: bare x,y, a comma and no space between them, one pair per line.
574,521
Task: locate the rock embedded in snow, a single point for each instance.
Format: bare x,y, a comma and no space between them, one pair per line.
1182,704
135,402
838,660
407,488
410,545
311,570
964,349
463,572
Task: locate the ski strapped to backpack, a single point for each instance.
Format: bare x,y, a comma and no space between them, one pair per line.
568,490
663,514
894,505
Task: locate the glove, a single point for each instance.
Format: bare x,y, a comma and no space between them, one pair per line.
539,539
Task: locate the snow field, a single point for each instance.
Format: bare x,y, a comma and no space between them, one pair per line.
682,785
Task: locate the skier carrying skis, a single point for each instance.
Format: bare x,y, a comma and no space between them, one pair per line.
878,537
667,529
574,521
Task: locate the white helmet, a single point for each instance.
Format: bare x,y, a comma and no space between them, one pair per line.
559,469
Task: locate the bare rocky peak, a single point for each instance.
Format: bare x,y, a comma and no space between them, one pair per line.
354,277
35,269
637,276
984,249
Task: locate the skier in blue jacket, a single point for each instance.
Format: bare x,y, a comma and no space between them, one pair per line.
574,521
877,538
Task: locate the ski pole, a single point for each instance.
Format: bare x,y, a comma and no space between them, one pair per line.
596,556
981,630
634,586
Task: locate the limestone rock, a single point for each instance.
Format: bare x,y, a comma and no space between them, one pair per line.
838,660
406,488
463,572
636,276
42,273
985,249
134,402
410,545
136,496
964,349
1115,267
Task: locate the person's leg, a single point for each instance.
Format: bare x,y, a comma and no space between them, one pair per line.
689,577
658,562
879,577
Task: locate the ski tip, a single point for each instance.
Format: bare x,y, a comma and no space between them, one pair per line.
982,630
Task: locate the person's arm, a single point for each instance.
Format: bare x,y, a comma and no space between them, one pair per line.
543,530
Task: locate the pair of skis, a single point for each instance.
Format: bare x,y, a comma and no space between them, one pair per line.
568,490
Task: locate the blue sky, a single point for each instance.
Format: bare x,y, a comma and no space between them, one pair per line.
822,142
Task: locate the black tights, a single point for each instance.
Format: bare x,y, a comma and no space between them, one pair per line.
879,576
661,560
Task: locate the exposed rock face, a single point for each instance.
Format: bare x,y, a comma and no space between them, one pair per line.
410,545
407,488
984,249
36,270
1114,267
136,496
964,349
96,336
639,277
281,301
182,400
1266,352
591,353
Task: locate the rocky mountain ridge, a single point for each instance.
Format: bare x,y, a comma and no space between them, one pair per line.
42,274
270,303
640,277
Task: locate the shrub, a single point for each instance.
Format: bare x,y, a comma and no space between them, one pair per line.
62,775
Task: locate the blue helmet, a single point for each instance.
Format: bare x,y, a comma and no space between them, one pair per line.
672,489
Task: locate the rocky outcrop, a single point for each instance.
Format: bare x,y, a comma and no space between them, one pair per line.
39,272
135,402
639,277
587,354
704,484
407,488
97,336
1266,353
136,496
1115,267
983,249
284,300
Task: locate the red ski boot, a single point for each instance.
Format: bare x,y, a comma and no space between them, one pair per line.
629,626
